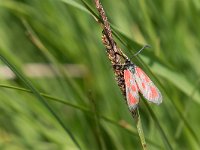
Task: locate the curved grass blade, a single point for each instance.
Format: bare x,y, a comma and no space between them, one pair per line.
179,112
165,139
96,120
48,97
185,114
40,98
75,4
56,65
22,8
123,125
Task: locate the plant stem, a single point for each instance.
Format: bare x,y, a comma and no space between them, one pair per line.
140,129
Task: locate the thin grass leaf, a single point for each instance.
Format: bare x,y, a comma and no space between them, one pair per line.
76,5
22,8
185,114
98,135
165,139
126,126
186,123
56,65
40,98
176,78
89,8
48,97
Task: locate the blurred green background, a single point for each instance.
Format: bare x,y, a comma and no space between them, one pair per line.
61,41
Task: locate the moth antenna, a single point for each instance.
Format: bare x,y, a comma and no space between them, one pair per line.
145,46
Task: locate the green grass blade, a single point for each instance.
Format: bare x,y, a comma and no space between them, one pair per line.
165,139
185,114
48,97
184,119
127,127
56,65
97,129
40,98
76,5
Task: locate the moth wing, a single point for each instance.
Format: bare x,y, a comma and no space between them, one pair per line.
147,87
132,94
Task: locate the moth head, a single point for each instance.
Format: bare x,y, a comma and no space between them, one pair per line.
129,65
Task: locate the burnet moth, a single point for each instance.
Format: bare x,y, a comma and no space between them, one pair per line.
130,78
136,81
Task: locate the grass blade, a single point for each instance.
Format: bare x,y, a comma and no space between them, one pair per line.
123,125
165,139
40,98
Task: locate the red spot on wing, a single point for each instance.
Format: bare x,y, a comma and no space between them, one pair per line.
142,75
146,87
132,99
133,88
127,76
154,93
132,95
143,85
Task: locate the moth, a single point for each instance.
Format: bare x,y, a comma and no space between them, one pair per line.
130,78
136,81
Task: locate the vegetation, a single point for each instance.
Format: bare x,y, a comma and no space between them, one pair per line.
63,95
